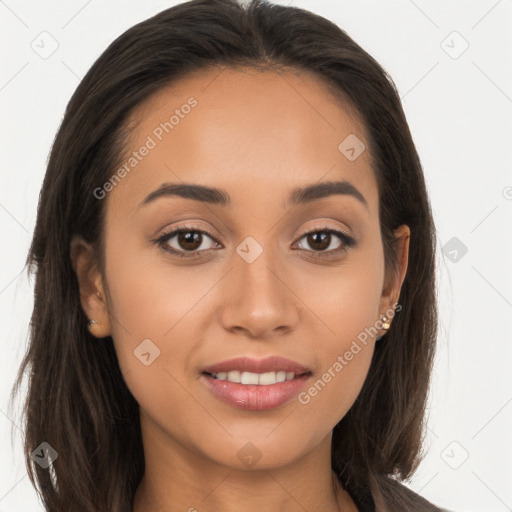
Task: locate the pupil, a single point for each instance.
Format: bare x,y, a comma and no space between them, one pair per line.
189,238
324,237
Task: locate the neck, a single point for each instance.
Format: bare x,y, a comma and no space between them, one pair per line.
179,479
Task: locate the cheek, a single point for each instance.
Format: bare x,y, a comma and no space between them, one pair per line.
338,383
150,296
347,309
344,301
148,307
345,361
149,330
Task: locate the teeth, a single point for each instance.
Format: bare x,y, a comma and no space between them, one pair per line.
249,378
262,379
234,376
281,376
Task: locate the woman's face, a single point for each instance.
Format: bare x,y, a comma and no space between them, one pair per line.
269,277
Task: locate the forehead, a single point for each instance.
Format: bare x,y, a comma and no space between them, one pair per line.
248,131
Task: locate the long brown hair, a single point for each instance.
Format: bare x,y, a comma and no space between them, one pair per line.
77,399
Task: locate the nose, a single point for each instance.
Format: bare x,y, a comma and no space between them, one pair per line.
259,300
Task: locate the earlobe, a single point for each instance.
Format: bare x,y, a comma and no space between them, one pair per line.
90,283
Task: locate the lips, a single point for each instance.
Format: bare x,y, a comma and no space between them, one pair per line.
256,384
247,364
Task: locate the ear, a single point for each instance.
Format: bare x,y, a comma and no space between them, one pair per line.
391,291
90,282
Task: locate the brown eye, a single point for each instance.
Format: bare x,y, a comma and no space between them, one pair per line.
186,242
189,240
321,239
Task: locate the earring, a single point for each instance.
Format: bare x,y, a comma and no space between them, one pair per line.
385,325
90,323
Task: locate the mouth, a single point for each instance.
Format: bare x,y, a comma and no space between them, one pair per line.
256,384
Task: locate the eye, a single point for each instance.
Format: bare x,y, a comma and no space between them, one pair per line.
322,238
185,242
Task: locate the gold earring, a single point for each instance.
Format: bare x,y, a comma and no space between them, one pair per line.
385,325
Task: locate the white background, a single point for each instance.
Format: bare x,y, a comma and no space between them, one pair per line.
460,114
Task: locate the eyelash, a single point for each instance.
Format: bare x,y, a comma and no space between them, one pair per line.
161,241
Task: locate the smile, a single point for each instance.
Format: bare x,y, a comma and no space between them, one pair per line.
260,379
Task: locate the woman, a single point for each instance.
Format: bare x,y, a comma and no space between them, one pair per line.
235,288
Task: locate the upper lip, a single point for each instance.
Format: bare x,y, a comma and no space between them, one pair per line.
248,364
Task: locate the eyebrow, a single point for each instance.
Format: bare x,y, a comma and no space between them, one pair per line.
217,196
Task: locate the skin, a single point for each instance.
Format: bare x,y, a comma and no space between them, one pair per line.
203,310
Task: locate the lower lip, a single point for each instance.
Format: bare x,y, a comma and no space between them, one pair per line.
254,397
